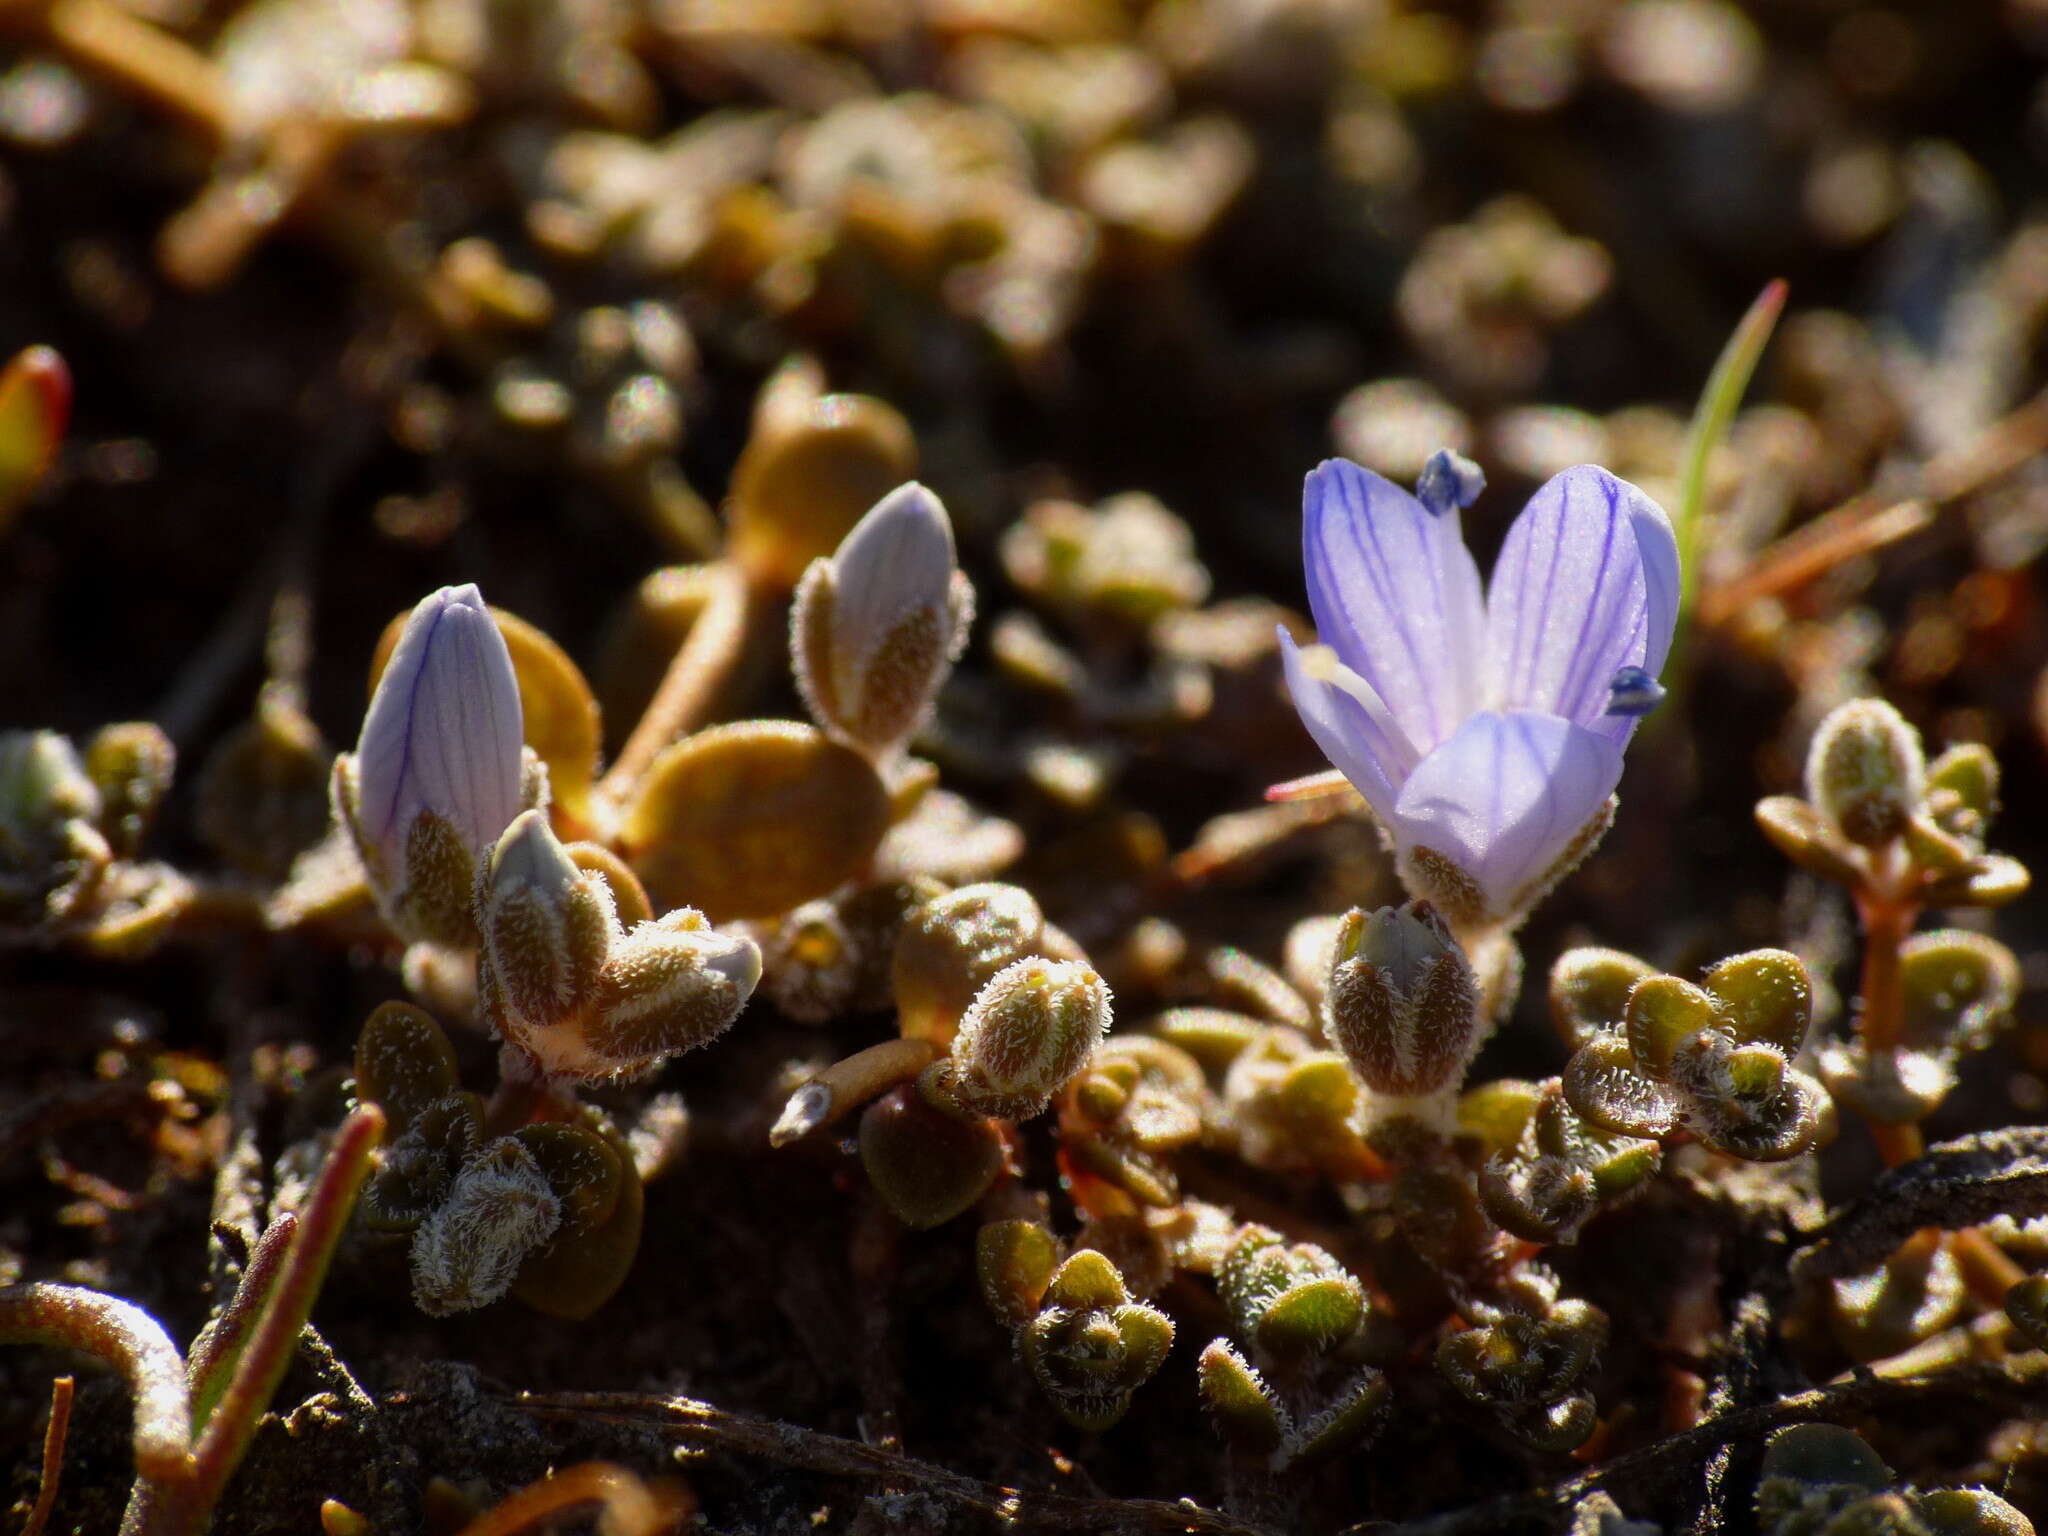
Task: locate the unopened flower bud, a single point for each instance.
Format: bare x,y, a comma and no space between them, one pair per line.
547,928
1032,1028
1865,772
952,946
876,628
582,995
671,985
439,771
1403,1003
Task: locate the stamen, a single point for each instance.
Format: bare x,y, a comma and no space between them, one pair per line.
1634,693
1448,480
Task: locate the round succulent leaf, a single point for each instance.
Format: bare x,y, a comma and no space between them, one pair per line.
1621,1165
1902,1089
1936,851
1992,881
586,1175
810,470
1764,996
1146,1178
1589,990
2026,1303
579,1270
1014,1261
1962,791
1602,1084
403,1063
1754,1071
1969,1512
1824,1456
1148,1336
1799,833
629,896
1496,1113
1541,1199
753,819
1557,1427
1959,987
952,946
1214,1037
1914,1294
1087,1279
1312,1318
926,1165
1318,1095
1345,1423
1245,1411
1662,1013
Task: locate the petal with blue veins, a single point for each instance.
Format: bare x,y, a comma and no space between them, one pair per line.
1586,585
1506,796
1396,595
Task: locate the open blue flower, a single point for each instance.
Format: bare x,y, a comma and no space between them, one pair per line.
1485,731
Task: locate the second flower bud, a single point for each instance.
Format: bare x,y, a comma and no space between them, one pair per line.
579,993
1402,1003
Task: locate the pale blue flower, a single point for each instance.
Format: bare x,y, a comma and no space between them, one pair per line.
439,771
1485,730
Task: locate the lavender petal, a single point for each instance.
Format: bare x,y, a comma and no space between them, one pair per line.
1352,727
1396,595
443,729
1576,596
1506,796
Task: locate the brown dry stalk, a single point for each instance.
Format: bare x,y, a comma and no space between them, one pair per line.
1867,523
702,1426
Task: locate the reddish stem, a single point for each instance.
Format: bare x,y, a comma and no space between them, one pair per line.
53,1456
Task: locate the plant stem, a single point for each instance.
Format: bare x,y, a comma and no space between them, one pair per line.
1886,923
53,1455
182,1509
130,1340
846,1085
220,1345
702,663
